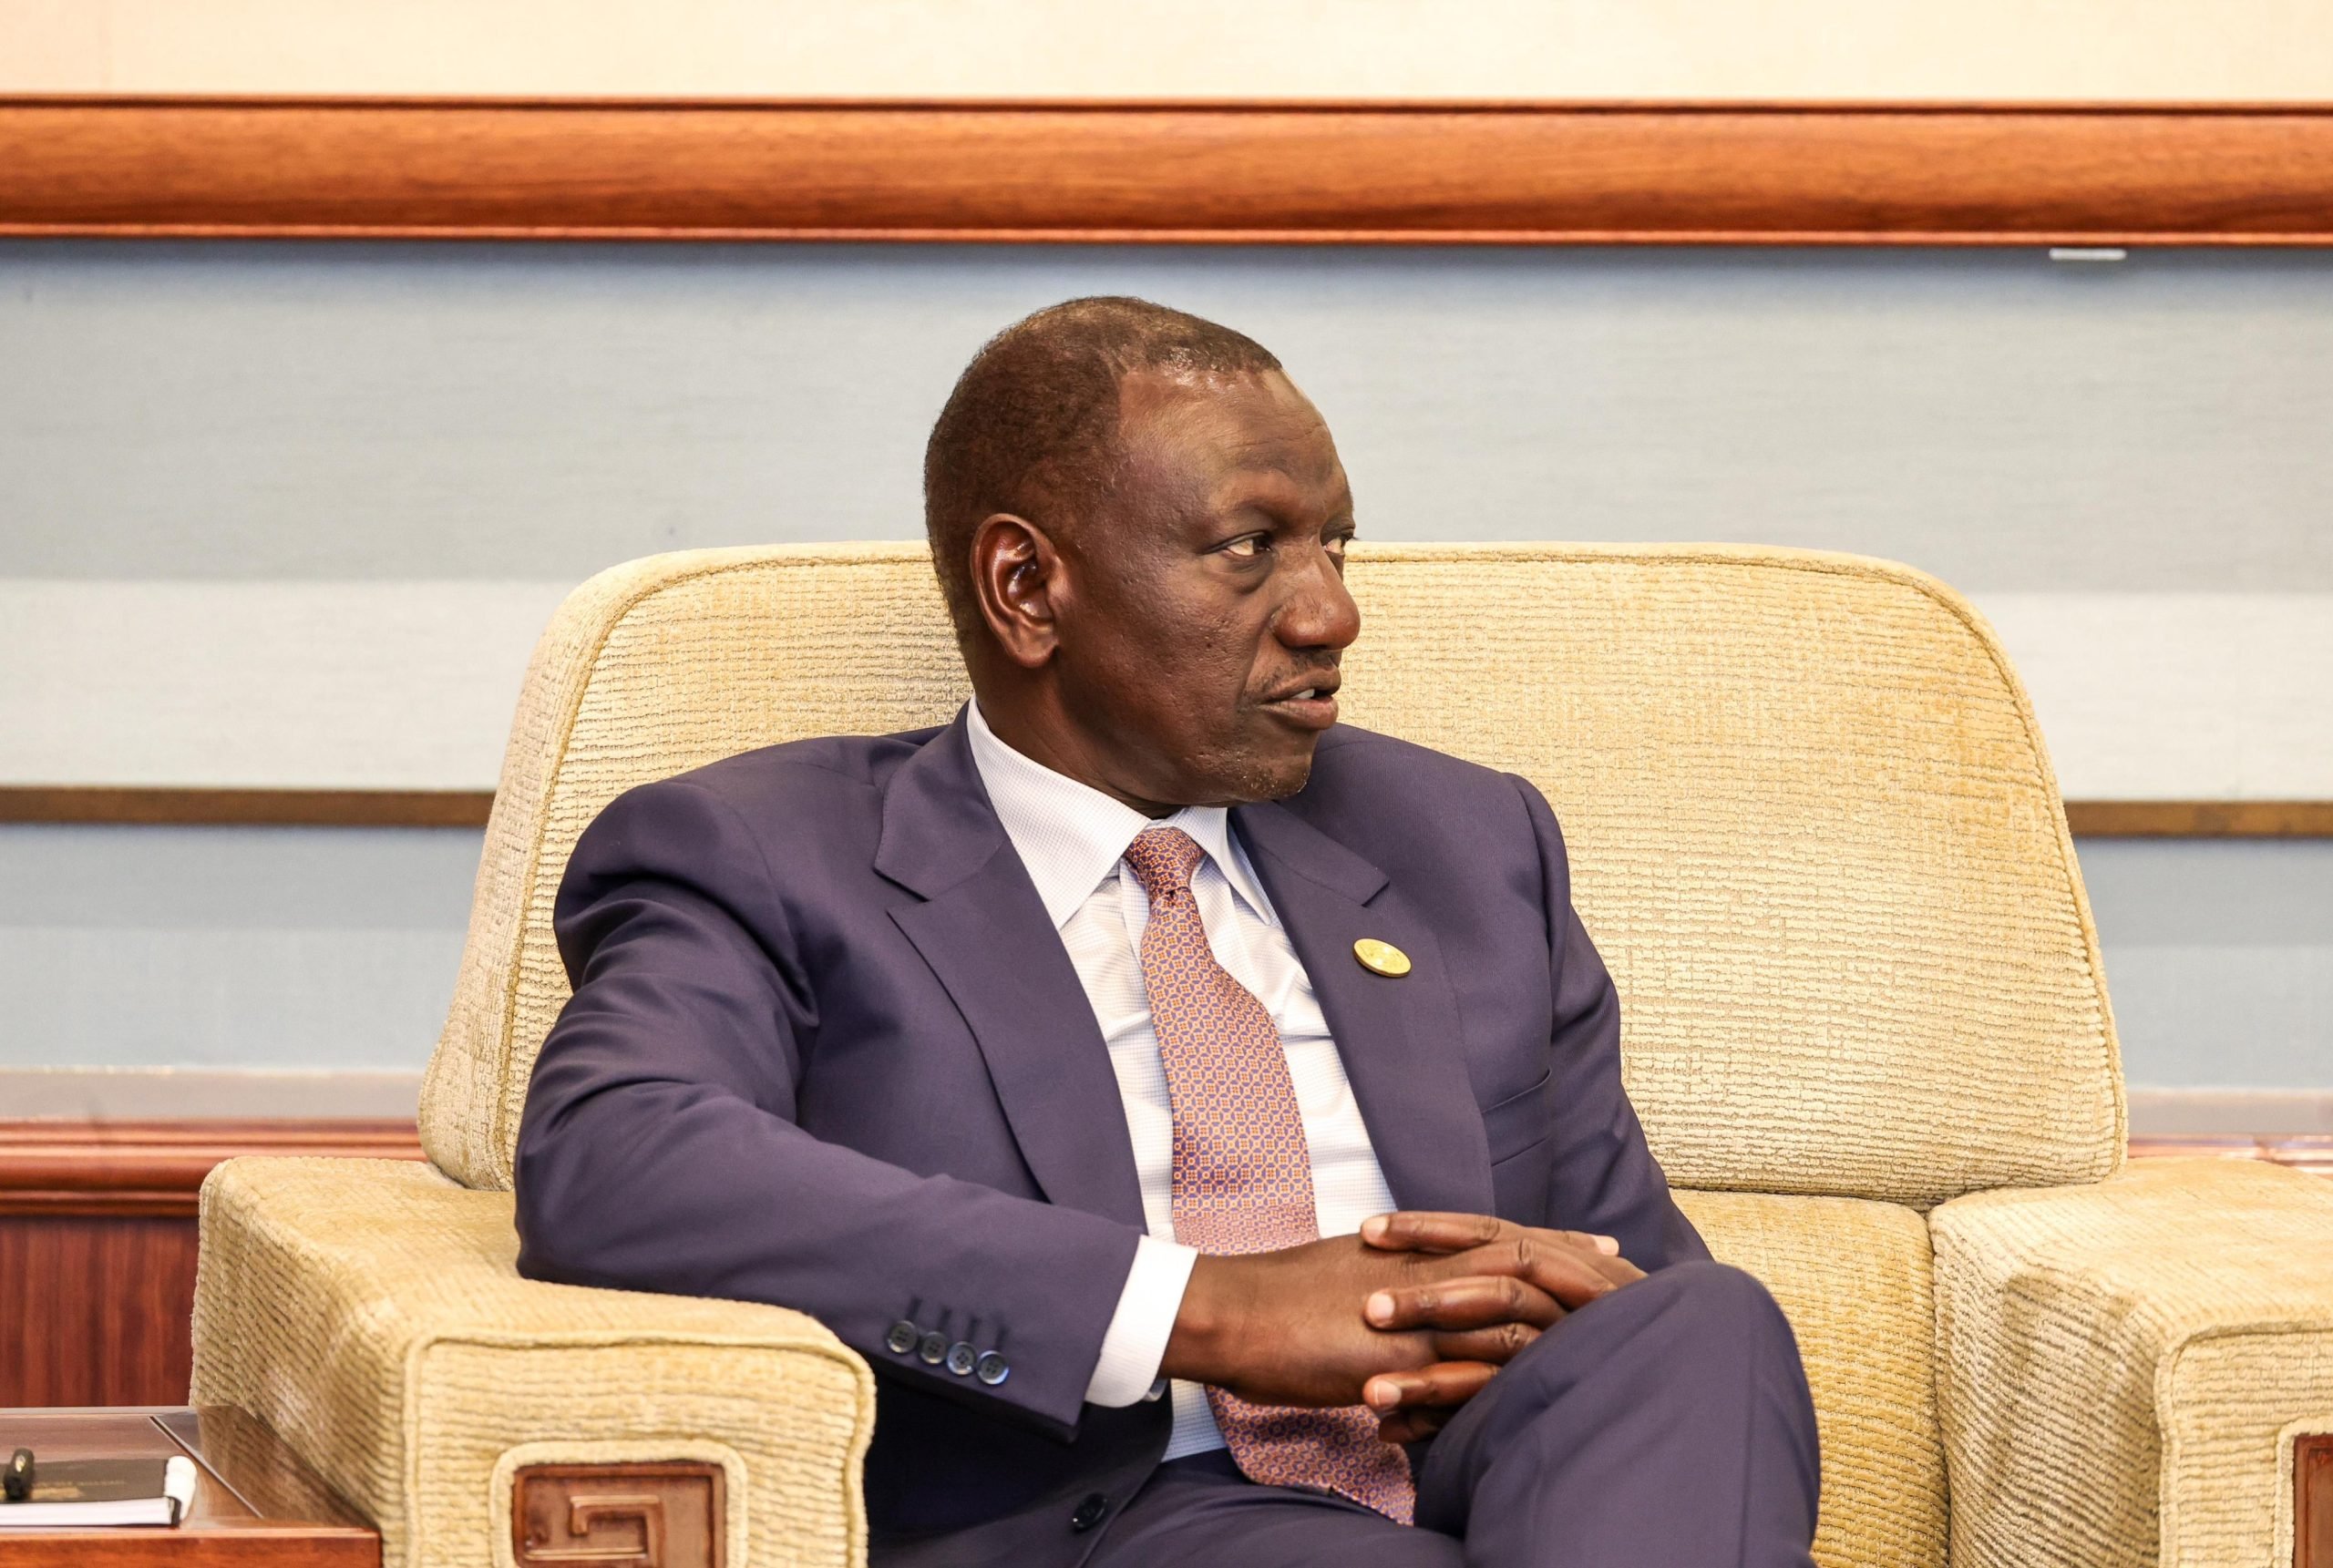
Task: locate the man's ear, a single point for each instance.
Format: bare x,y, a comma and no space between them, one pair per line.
1017,577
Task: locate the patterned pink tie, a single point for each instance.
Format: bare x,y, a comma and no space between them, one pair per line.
1243,1177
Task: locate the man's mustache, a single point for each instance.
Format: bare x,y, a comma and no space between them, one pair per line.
1326,678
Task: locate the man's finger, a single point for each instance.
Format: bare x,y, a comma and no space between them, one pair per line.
1618,1270
1422,1230
1413,1424
1480,1301
1497,1345
1563,1251
1573,1277
1444,1383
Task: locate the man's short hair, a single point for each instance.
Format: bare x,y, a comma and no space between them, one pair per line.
1031,427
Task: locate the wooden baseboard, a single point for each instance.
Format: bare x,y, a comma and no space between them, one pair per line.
2311,1152
154,1169
96,1310
97,1246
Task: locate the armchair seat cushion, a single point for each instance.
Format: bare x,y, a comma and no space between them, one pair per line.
370,1311
1854,1278
2125,1365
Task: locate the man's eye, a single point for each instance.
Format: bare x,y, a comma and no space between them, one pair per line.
1335,543
1246,548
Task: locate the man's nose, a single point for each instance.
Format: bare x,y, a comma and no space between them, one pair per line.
1319,611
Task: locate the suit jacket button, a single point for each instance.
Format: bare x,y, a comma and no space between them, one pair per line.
993,1368
961,1359
902,1337
934,1347
1088,1511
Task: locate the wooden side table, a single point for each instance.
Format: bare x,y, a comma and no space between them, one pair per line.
256,1504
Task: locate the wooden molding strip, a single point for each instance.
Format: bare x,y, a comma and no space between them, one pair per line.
150,807
2200,818
1345,173
203,807
132,1168
2310,1152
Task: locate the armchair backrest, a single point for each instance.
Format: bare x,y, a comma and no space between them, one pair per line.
1812,826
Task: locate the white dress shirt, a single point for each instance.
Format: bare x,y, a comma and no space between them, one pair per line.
1073,839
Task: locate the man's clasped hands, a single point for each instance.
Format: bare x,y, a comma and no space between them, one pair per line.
1411,1318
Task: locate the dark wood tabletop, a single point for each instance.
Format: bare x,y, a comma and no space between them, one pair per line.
256,1504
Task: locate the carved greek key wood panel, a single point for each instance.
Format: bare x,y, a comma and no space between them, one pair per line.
670,1515
2313,1501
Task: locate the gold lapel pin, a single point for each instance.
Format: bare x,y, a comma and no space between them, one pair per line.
1382,957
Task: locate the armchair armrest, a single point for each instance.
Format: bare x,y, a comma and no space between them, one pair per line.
2124,1369
370,1312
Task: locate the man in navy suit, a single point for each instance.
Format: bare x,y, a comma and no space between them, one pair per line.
1207,1120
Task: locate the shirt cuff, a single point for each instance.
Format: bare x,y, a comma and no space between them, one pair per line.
1136,1341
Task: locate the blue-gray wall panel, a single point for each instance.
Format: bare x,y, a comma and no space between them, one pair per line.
409,413
309,948
2219,956
517,411
322,947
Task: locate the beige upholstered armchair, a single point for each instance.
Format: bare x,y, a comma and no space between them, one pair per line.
1817,838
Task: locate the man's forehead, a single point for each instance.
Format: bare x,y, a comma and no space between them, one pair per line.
1252,421
1156,389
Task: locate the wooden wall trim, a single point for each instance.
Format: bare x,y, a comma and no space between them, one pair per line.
207,807
2200,818
2310,1152
156,1168
1342,173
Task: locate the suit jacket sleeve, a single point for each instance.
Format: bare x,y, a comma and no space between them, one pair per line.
658,1149
1606,1180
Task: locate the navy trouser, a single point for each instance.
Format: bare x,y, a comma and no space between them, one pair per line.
1665,1425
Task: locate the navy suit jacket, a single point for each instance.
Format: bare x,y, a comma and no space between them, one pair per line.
826,1050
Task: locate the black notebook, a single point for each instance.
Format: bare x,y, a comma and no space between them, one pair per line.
75,1494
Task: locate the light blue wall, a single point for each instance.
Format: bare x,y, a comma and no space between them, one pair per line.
430,412
515,411
228,947
2219,958
320,947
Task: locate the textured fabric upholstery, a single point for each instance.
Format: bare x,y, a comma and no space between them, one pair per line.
2123,1365
369,1311
1854,1278
649,668
1813,828
1816,838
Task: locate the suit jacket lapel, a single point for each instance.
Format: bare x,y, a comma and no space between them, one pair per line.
983,930
1399,1038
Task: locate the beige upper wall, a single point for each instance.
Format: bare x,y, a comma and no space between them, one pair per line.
2064,49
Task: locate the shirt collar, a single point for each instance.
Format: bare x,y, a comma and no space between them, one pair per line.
1071,835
